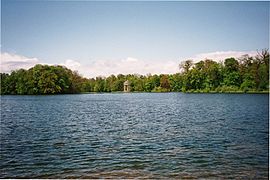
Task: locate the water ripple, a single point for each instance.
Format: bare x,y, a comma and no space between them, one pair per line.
140,135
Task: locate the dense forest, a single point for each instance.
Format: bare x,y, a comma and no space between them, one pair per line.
246,74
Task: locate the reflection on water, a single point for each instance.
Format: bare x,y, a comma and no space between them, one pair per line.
140,135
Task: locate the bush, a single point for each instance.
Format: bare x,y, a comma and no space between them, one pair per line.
160,89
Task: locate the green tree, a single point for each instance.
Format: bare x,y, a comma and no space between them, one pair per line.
164,82
185,66
232,75
246,74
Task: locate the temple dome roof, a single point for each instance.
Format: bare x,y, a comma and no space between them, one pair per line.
127,83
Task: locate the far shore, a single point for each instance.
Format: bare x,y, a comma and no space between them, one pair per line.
187,92
135,92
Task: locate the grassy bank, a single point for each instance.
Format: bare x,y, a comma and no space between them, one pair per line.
230,92
190,91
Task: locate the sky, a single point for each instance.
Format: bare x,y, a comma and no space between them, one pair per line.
103,38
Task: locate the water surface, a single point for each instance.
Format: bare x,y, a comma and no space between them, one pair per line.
135,135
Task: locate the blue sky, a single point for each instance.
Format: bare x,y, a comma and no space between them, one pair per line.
58,32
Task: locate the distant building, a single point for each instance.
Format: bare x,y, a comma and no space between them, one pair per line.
127,86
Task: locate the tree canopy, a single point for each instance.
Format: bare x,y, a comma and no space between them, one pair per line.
243,74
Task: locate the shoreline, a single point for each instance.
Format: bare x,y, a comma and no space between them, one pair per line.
134,92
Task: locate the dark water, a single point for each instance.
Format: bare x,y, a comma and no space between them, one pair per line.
142,135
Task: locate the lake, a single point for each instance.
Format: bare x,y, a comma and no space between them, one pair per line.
135,135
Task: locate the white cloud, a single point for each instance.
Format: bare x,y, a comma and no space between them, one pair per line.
13,61
222,55
130,59
71,64
124,66
129,65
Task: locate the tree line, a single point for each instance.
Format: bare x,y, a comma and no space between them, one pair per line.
245,74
